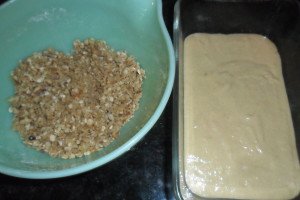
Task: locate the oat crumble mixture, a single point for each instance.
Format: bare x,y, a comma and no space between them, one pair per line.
72,105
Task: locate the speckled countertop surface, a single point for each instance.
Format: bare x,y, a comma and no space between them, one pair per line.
142,173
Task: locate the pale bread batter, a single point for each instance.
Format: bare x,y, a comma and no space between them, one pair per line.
238,134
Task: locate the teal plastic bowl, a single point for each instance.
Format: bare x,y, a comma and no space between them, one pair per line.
133,25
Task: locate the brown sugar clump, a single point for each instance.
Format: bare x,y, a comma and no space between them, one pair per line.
73,105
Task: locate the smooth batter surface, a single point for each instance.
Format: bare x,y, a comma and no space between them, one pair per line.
238,134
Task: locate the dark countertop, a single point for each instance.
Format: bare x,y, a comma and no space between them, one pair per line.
144,172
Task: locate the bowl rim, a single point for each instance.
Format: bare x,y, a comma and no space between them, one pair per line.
132,141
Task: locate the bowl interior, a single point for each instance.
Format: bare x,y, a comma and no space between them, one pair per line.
33,25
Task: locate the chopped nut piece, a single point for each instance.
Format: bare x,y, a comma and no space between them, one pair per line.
75,92
111,99
10,109
89,122
52,138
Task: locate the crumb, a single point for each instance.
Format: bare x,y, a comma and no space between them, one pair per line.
72,105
